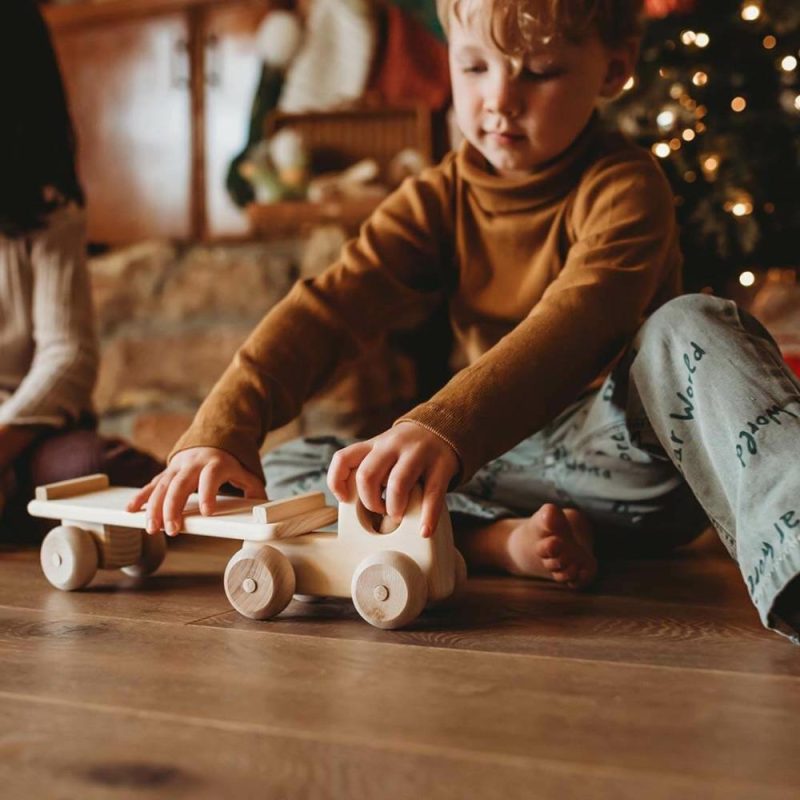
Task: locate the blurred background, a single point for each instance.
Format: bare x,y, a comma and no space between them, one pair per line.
228,147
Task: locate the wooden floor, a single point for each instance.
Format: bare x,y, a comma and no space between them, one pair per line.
659,684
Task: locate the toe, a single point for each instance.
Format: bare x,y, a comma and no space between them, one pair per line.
549,547
552,564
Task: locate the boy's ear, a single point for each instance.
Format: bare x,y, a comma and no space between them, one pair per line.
621,64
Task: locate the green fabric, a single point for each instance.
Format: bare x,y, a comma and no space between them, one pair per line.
425,12
265,101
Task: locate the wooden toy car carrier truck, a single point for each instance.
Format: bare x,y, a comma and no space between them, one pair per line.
389,575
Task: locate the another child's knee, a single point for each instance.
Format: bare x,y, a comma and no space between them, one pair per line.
72,454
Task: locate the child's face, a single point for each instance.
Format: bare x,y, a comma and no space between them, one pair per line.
520,122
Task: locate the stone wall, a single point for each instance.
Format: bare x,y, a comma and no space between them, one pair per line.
171,317
169,320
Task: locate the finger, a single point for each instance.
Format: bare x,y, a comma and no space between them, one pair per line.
155,516
182,485
432,502
141,497
405,473
255,488
371,477
344,462
211,478
252,485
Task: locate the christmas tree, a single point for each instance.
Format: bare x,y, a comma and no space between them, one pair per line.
717,99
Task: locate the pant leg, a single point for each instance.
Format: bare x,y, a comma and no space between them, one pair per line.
62,455
709,386
638,503
301,465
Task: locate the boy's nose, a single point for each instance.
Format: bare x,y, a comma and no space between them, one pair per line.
502,99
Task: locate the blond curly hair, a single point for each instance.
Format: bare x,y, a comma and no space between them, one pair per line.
516,25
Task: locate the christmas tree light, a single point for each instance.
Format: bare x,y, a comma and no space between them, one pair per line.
716,99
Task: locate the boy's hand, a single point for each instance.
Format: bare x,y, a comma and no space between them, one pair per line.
396,460
204,469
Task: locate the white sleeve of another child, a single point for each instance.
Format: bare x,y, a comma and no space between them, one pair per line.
59,383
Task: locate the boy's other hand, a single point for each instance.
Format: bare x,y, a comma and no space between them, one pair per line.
204,469
395,461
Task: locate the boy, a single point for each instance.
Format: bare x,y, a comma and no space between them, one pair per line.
552,242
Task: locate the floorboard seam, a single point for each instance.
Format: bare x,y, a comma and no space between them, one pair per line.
451,651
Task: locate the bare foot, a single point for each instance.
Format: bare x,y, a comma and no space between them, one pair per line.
555,544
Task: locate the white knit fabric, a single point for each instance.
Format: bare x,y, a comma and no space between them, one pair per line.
48,352
334,60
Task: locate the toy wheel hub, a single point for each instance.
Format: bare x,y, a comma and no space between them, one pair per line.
57,560
249,585
381,593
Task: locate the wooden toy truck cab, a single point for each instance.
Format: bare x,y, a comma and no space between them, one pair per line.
389,575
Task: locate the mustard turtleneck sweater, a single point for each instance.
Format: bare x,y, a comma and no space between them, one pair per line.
546,277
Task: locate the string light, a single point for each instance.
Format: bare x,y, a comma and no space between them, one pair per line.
700,78
747,278
688,37
675,144
676,91
751,11
690,176
688,134
629,84
738,104
769,42
700,112
702,40
740,206
661,149
709,164
788,63
789,100
666,119
700,127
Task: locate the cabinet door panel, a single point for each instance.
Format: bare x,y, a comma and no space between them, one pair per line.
128,85
232,71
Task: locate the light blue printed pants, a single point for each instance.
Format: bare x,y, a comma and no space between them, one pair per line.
699,421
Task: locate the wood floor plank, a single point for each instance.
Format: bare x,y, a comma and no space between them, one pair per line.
57,749
615,623
704,725
526,619
187,587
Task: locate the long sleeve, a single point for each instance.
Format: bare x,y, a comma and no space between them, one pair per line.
50,348
390,277
623,255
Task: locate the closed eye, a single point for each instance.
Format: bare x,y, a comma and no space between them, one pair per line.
473,69
534,75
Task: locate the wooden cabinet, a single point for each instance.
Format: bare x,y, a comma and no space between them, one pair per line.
160,92
127,83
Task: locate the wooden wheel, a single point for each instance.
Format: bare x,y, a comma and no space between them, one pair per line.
461,571
389,589
154,551
69,557
259,583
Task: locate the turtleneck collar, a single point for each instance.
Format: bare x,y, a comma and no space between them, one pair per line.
546,184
